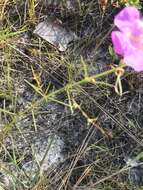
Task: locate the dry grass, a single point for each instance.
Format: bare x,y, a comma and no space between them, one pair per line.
99,127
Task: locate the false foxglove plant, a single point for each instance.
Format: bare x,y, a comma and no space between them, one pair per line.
128,39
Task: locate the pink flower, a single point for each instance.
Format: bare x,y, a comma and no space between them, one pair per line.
128,40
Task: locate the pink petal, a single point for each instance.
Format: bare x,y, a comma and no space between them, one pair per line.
126,18
137,27
135,60
121,43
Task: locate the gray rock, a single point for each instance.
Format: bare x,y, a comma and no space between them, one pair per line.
135,172
136,176
53,32
47,153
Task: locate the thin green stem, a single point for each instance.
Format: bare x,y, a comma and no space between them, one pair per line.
74,84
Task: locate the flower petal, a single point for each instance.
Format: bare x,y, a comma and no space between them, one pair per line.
137,27
125,19
121,43
135,60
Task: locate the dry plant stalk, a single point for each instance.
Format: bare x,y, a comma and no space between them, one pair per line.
92,121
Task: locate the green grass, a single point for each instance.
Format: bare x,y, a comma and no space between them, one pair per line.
35,69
